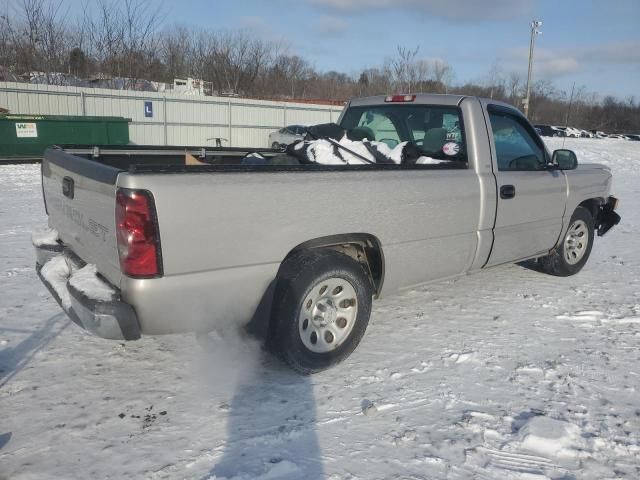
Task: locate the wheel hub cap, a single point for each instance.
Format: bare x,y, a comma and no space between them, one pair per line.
576,242
327,315
324,312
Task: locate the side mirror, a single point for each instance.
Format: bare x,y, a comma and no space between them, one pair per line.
565,159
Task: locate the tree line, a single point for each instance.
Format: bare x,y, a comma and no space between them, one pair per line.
129,39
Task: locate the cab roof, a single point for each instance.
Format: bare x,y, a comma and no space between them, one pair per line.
420,98
428,99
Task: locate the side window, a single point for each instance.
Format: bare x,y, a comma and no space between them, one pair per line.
516,148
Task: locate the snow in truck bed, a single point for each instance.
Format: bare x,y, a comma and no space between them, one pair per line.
507,374
352,152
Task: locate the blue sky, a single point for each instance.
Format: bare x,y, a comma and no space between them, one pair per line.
594,43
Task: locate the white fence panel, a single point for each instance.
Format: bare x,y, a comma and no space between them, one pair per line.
298,115
169,119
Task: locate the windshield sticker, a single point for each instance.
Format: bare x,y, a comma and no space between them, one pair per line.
451,148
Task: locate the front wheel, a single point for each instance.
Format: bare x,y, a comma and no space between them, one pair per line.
275,146
321,309
569,258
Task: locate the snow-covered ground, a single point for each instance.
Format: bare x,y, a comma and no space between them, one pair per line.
508,374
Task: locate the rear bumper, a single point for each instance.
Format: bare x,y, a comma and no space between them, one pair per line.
101,313
607,217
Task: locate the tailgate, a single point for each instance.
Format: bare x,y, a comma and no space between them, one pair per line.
80,196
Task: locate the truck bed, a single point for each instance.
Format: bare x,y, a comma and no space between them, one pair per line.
241,223
172,159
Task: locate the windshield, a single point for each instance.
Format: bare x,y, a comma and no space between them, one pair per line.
436,130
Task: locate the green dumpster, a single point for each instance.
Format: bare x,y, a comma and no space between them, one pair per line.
25,137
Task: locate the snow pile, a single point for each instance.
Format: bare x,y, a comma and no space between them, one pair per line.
46,237
56,271
87,281
550,438
352,152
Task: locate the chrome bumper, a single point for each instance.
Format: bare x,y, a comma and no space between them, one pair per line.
112,319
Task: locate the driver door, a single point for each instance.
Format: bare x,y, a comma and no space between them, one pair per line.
531,199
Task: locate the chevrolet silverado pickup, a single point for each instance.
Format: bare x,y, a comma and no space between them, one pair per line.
146,240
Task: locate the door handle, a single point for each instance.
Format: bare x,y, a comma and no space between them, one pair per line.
67,187
507,191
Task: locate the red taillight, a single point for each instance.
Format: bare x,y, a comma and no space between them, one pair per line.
137,232
400,98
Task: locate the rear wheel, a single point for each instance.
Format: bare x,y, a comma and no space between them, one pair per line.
321,309
275,146
569,258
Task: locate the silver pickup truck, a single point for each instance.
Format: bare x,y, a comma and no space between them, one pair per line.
158,240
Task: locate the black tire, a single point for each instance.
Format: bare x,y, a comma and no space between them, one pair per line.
298,275
556,263
275,146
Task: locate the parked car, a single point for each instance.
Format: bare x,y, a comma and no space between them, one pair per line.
300,250
287,135
550,131
634,137
570,132
586,134
618,136
598,134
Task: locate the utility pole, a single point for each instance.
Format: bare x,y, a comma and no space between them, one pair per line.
535,25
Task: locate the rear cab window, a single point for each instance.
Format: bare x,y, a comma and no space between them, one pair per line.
436,130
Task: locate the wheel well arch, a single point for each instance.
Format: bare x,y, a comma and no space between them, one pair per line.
362,247
593,205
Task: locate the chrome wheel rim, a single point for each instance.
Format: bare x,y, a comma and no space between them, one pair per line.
576,242
327,315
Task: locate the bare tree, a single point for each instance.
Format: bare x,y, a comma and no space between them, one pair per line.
496,82
140,42
514,87
421,72
36,40
402,68
288,76
177,50
234,60
122,36
374,81
442,73
105,36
